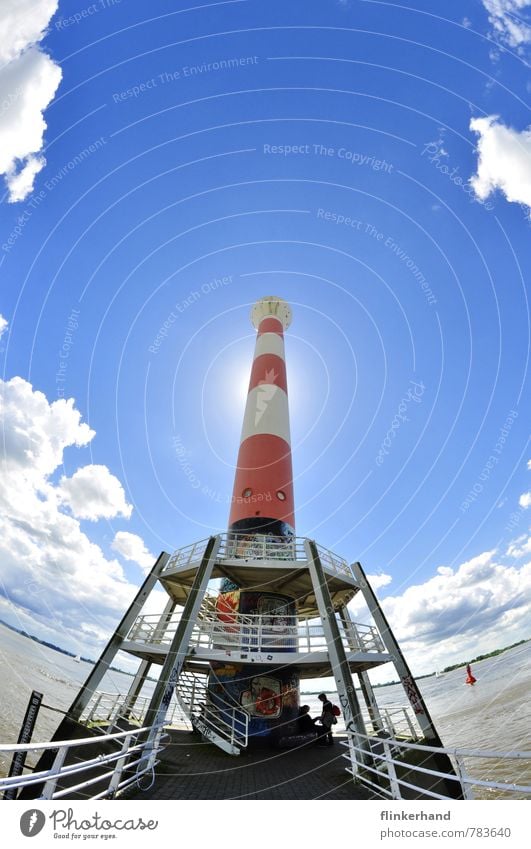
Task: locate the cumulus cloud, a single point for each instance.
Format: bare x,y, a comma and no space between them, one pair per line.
460,612
133,548
3,325
28,81
94,493
54,578
520,547
481,605
509,22
504,161
525,500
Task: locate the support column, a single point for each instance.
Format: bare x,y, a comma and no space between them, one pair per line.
338,659
408,682
113,646
135,689
363,678
175,658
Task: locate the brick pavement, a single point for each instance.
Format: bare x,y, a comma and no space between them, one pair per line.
192,769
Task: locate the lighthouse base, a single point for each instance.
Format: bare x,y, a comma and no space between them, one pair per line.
269,696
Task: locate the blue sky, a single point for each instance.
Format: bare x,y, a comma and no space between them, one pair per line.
369,163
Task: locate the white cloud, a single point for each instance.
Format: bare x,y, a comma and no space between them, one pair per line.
94,493
21,183
529,464
3,325
525,500
53,576
508,23
520,547
28,81
133,548
504,161
23,22
458,613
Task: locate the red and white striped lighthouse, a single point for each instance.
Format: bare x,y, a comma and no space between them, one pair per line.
262,499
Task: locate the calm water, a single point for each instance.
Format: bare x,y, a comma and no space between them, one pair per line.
494,714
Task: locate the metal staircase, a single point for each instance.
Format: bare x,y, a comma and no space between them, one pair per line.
225,725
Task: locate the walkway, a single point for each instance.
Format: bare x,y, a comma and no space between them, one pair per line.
191,769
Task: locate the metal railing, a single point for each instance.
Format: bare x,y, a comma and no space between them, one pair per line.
184,556
394,763
132,752
236,546
258,547
255,632
218,720
107,708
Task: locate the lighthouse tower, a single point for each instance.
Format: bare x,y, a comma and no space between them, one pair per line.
253,611
262,500
262,509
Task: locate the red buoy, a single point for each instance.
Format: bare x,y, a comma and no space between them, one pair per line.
469,677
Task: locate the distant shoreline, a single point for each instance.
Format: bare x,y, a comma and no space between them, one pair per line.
303,693
442,671
53,647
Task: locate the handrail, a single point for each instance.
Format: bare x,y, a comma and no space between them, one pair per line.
132,753
255,632
241,546
389,762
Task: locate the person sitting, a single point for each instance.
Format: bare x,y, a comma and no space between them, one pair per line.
305,724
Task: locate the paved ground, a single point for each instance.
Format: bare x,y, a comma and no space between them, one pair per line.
191,769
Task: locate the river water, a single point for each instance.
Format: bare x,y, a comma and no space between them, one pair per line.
493,714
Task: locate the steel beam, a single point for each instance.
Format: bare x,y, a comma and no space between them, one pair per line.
113,646
171,669
363,678
338,659
404,673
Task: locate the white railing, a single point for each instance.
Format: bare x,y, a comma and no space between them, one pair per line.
236,546
333,563
132,753
218,719
258,547
400,721
379,761
255,633
107,708
184,556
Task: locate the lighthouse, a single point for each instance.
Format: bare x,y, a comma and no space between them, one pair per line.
252,612
262,499
262,505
